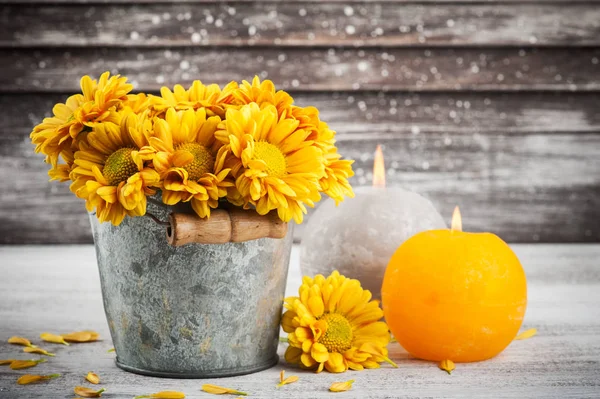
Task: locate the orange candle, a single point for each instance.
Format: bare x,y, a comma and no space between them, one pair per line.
448,294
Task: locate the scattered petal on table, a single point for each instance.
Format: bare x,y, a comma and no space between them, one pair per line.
25,364
81,336
527,334
447,366
20,341
55,339
93,378
217,390
37,350
88,392
341,386
163,395
110,350
30,378
284,381
6,362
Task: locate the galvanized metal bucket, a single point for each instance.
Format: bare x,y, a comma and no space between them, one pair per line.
194,311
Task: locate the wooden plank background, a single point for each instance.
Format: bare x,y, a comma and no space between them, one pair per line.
491,105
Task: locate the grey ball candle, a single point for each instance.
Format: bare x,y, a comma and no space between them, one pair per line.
359,236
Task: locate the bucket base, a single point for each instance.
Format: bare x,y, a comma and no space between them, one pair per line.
205,374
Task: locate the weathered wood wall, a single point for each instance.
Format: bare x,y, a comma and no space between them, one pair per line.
491,105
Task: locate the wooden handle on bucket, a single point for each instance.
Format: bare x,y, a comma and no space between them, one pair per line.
234,225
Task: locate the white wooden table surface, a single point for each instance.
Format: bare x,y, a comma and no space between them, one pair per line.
57,289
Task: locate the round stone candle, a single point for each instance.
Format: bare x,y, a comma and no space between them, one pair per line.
451,295
359,236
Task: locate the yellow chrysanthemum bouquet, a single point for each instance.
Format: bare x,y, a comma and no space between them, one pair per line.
246,144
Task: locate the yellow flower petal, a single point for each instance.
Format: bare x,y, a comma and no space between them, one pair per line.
6,362
30,378
217,390
284,381
37,350
447,366
527,334
341,386
319,353
93,378
88,392
163,395
289,380
25,364
56,339
81,336
20,341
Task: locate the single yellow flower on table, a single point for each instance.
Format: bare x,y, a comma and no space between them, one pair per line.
334,325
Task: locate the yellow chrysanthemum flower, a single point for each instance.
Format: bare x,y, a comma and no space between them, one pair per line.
110,172
264,94
100,101
187,161
337,171
54,135
275,167
138,103
210,97
61,133
333,324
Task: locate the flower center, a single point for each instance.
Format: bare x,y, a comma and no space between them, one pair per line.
338,336
273,157
203,162
119,166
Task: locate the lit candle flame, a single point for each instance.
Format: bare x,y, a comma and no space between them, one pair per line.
378,168
456,220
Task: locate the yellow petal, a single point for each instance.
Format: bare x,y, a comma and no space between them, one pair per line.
288,380
25,364
20,341
281,374
37,350
217,390
111,350
56,339
341,386
81,336
163,395
319,352
447,365
93,378
6,361
527,334
88,392
29,378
